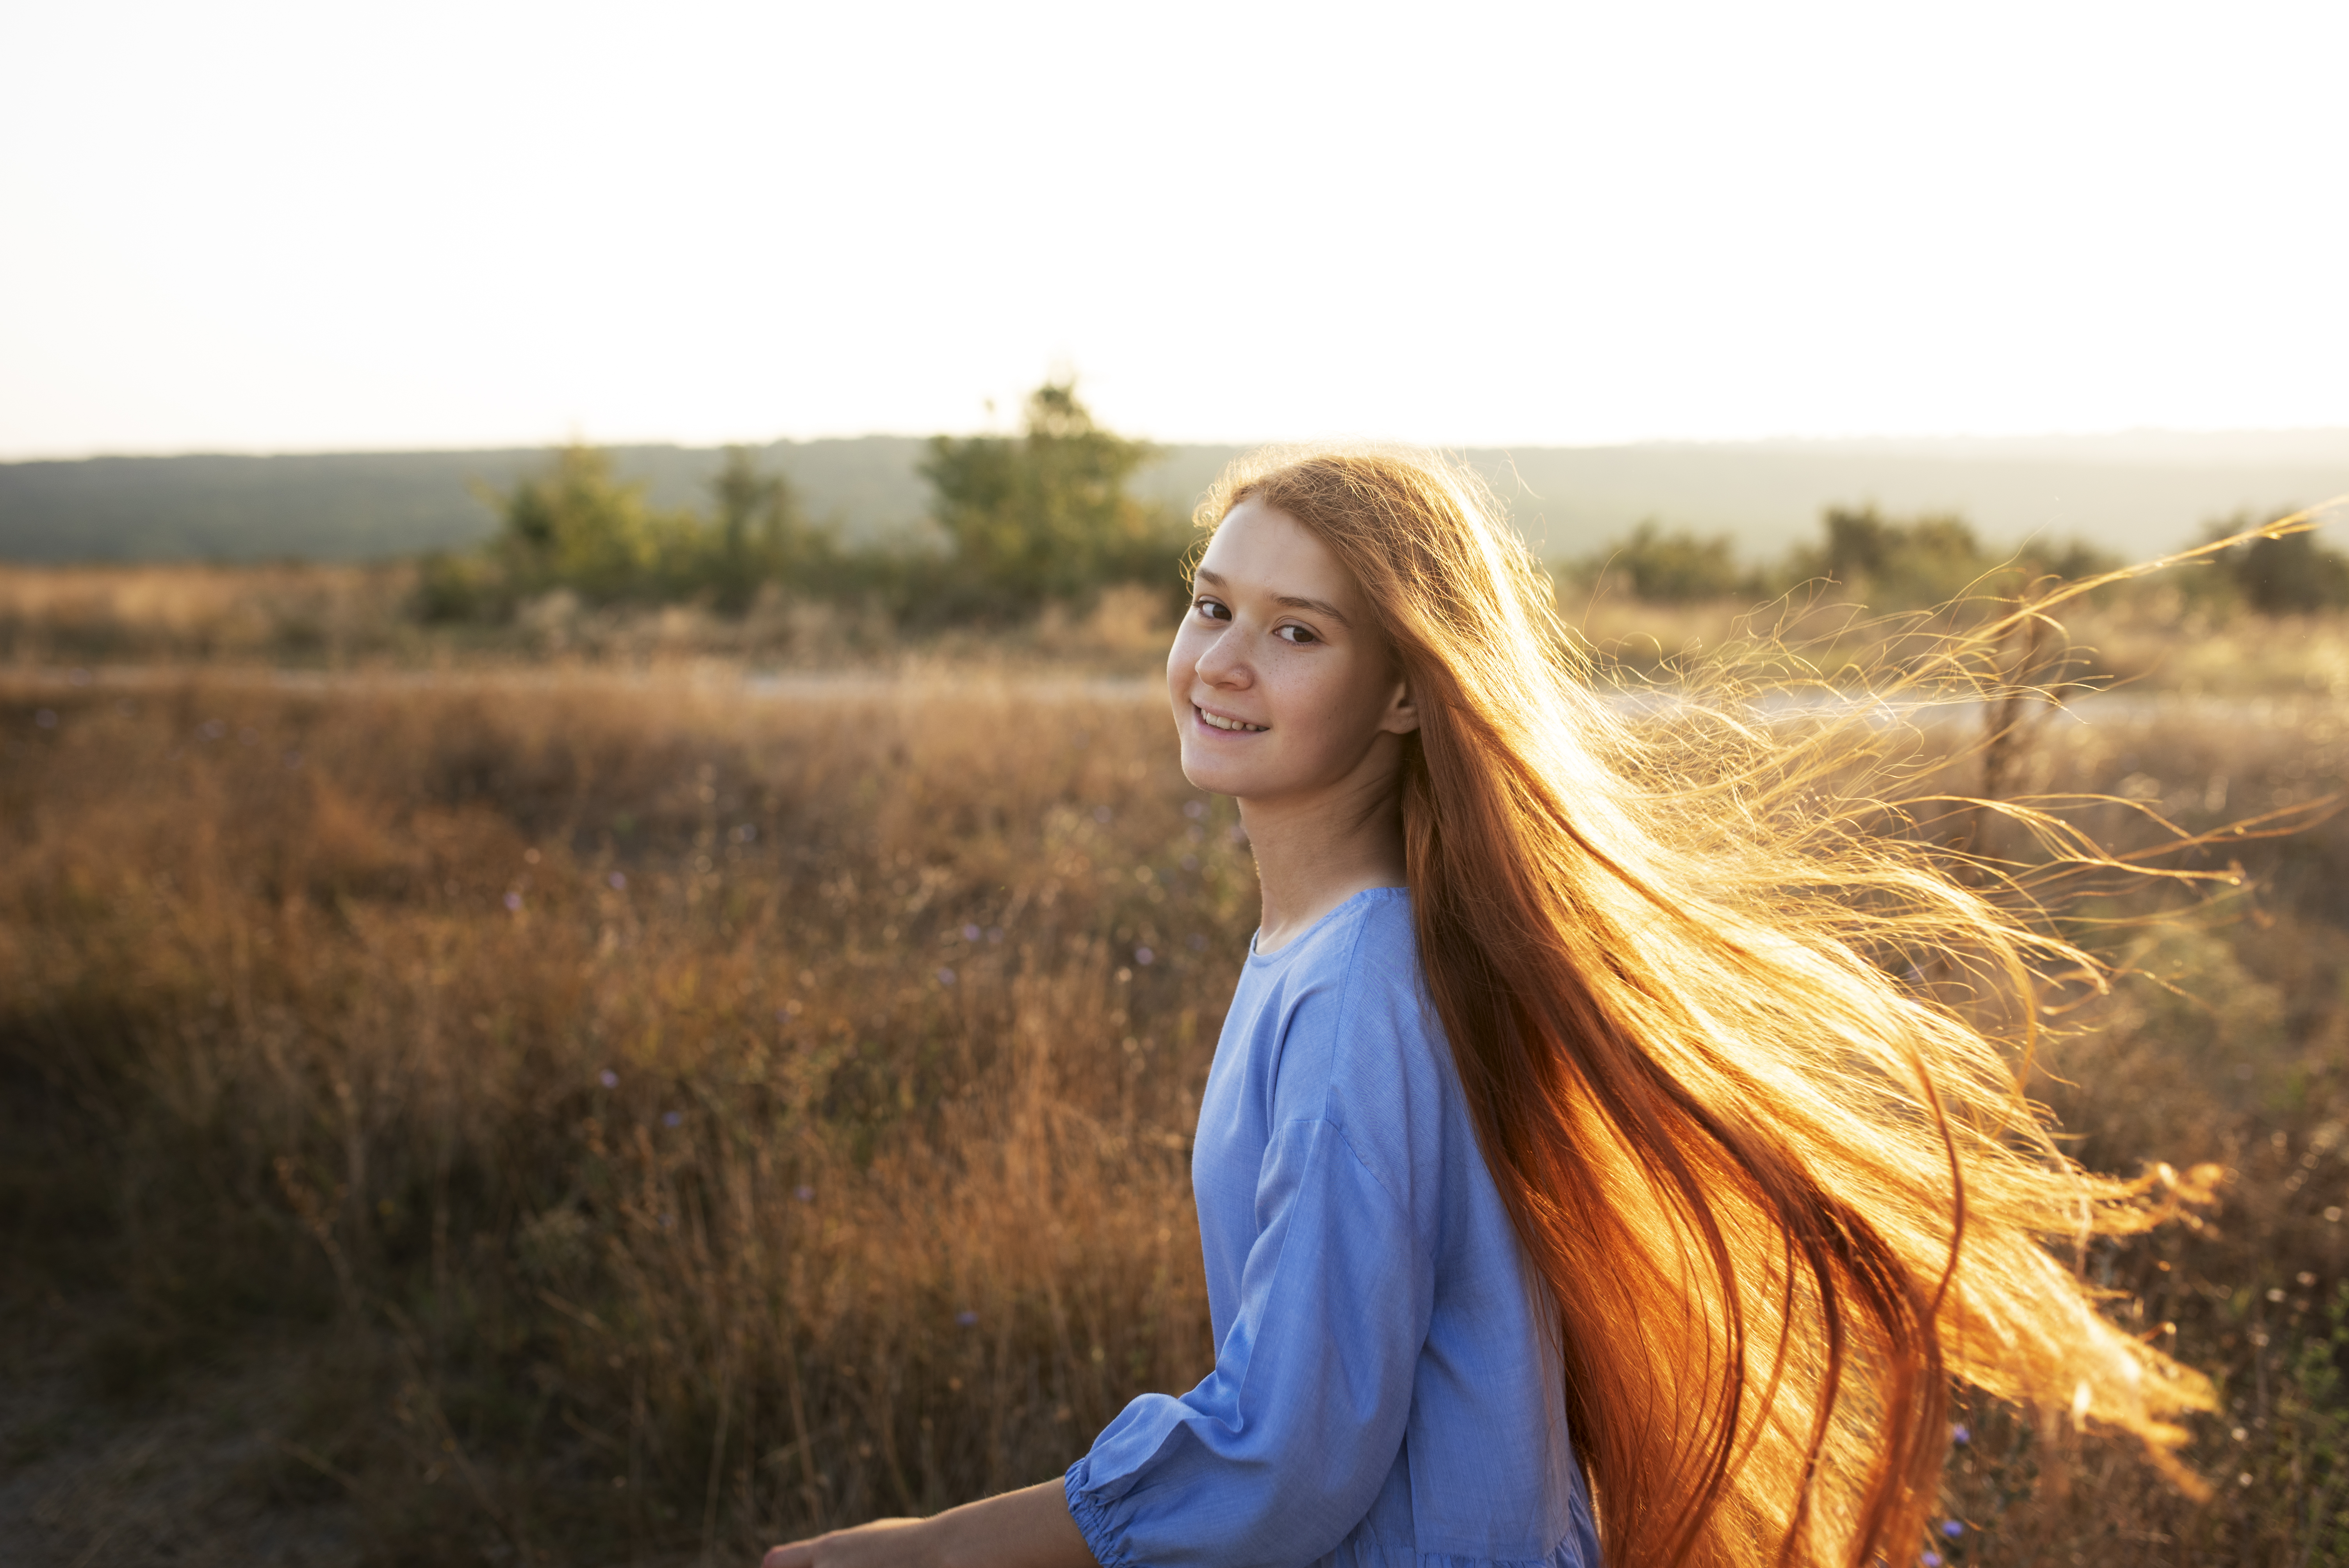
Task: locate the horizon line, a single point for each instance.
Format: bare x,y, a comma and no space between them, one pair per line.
11,459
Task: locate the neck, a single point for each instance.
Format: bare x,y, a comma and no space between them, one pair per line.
1313,854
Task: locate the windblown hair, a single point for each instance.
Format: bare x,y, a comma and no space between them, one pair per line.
1784,1194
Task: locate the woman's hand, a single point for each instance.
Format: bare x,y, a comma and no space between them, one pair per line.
1029,1528
883,1543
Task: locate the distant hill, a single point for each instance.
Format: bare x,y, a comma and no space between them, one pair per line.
358,506
2137,493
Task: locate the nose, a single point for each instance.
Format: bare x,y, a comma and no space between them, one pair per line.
1222,665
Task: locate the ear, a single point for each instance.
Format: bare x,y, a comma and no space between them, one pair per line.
1402,714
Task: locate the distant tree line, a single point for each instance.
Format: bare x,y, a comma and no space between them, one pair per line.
1892,563
2295,575
1047,517
1038,518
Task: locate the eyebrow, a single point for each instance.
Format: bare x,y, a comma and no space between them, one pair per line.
1293,601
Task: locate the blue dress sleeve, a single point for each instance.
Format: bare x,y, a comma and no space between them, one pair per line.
1282,1450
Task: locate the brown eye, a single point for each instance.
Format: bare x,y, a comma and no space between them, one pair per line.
1299,635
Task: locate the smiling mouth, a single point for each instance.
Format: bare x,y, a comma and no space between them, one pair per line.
1236,725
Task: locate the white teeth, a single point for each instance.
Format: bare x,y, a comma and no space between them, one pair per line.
1222,723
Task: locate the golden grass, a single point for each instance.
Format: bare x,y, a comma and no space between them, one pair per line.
2149,638
686,1116
168,610
339,616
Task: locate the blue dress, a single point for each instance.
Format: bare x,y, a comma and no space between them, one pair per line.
1386,1391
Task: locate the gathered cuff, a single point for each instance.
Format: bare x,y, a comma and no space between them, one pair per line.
1092,1521
1361,1549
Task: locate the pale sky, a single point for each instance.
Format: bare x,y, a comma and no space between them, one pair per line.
247,226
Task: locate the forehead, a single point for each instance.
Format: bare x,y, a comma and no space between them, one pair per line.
1257,548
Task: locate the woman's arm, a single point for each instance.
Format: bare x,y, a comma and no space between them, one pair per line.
1029,1528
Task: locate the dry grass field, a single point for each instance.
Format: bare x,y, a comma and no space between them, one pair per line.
327,616
2149,637
91,613
593,1119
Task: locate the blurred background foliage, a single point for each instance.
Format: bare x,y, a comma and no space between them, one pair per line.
1042,518
1048,520
1064,539
1918,562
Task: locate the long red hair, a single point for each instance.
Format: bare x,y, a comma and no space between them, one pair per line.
1780,1197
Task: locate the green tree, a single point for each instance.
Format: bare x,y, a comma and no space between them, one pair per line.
1929,560
576,525
1044,515
1926,561
2291,575
1673,568
579,526
761,536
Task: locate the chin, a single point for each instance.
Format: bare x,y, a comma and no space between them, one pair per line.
1214,775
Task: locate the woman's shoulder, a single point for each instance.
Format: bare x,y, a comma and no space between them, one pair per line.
1361,1032
1371,926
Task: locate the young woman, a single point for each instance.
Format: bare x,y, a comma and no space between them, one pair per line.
1582,1162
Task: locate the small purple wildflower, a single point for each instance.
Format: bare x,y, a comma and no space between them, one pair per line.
946,976
608,1078
513,902
967,1319
1953,1527
804,1195
671,1117
1931,1559
1959,1434
1143,957
970,934
619,881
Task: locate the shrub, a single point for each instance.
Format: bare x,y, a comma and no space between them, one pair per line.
2296,573
1886,564
1673,568
1042,516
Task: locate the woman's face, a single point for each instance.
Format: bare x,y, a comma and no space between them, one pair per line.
1282,688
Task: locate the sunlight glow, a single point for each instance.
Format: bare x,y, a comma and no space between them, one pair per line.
255,225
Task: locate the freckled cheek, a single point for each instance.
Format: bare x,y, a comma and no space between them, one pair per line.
1303,712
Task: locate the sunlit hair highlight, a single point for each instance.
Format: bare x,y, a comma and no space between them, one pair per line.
1782,1192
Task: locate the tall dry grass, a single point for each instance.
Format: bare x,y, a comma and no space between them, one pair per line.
2145,636
340,616
735,1117
161,610
666,1119
2148,636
